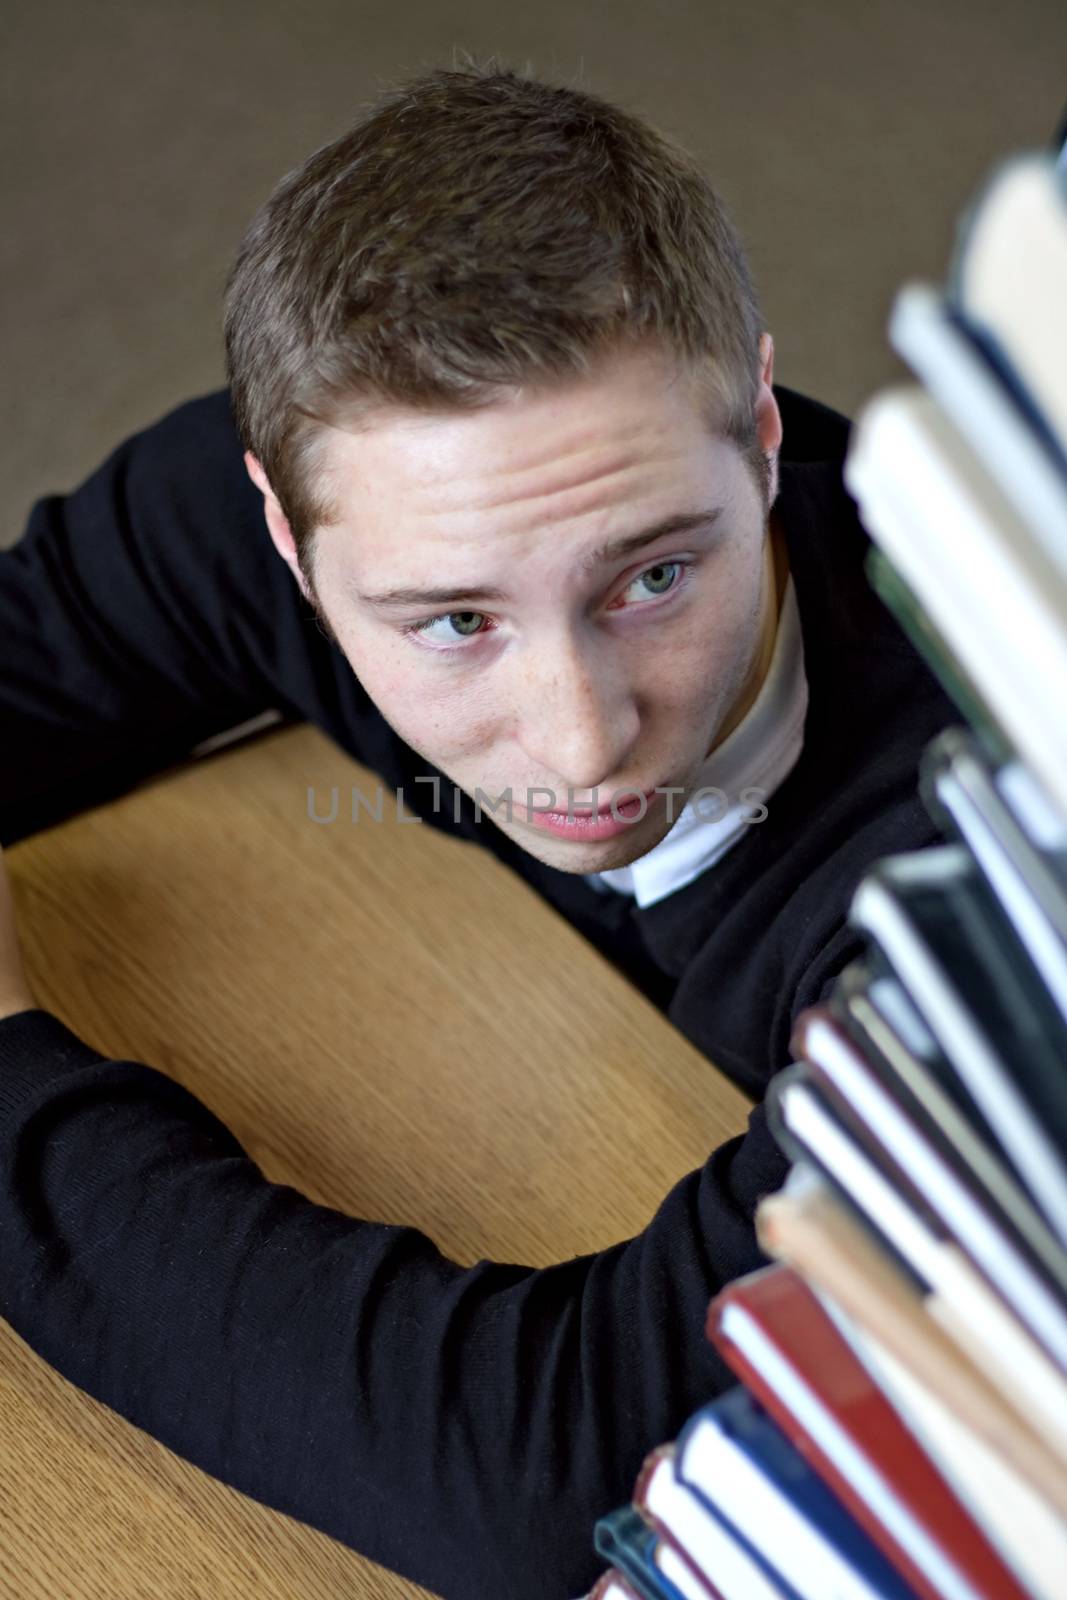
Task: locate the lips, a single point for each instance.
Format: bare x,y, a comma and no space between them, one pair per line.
624,798
595,827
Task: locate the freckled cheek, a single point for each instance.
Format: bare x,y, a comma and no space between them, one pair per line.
428,708
382,675
707,655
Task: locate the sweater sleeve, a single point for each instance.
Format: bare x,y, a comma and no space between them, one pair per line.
148,610
464,1426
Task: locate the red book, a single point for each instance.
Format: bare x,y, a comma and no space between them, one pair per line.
776,1336
611,1585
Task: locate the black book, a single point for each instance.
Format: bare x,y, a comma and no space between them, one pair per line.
949,943
1018,843
875,1012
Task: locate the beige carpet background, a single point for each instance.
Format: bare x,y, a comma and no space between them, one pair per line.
139,138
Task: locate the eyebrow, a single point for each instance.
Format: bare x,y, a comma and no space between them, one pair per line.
611,550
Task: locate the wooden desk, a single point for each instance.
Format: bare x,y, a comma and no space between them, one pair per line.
389,1020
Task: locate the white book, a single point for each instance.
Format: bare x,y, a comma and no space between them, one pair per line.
815,1561
989,587
1010,272
675,1568
712,1546
1044,825
975,397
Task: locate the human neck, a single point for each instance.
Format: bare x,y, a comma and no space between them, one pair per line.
775,578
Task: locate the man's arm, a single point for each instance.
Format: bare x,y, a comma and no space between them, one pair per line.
463,1426
147,611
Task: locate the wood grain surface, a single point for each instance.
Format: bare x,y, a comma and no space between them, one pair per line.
388,1019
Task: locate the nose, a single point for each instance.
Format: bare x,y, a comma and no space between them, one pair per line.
578,718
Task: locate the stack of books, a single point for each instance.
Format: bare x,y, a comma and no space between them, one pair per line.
900,1424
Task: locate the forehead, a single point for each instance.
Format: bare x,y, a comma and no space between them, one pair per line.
582,459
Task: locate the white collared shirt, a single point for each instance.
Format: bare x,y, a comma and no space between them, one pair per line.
747,768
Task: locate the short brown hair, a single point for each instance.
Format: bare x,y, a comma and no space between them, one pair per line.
476,229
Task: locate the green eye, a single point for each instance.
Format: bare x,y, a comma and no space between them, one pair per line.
459,619
658,581
464,623
655,575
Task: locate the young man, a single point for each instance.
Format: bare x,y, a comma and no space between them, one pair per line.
549,539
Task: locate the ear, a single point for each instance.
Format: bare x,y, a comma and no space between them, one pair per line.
277,523
768,417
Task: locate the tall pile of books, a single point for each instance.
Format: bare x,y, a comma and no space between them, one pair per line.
900,1425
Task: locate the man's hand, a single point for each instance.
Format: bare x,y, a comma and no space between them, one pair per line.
14,990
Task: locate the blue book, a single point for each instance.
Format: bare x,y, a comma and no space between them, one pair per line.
741,1466
625,1539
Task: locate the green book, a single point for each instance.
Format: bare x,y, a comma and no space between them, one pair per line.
901,600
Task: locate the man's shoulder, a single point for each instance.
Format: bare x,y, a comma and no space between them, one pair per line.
181,525
204,424
811,430
182,481
824,530
183,478
828,545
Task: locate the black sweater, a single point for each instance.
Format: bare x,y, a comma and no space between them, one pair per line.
464,1426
